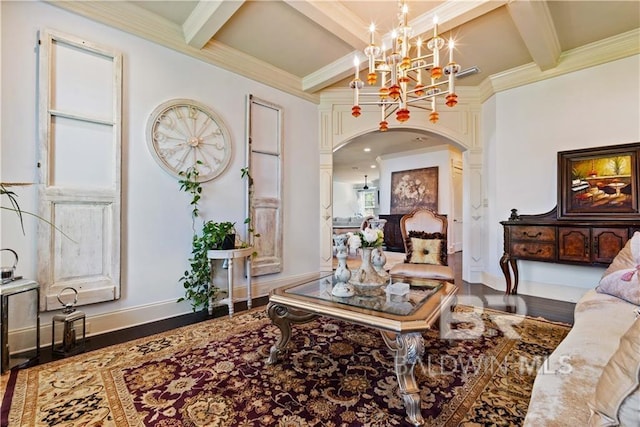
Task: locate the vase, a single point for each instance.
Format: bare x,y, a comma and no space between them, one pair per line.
342,274
377,223
229,241
366,280
379,259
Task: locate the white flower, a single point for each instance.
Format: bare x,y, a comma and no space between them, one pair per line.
354,241
370,235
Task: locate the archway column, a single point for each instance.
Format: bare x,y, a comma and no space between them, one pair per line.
461,125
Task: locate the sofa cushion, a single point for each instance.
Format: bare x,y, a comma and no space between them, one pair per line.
567,381
622,278
426,248
423,271
617,397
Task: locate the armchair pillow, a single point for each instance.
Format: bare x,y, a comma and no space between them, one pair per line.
426,248
622,278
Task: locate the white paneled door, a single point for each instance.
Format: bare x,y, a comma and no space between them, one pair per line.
80,104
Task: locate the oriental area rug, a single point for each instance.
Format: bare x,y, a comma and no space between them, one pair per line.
214,373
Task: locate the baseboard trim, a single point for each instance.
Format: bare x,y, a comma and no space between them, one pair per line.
537,289
23,339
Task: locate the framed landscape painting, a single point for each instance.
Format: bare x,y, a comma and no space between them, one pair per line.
413,189
599,182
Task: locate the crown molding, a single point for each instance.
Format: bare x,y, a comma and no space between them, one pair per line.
329,74
134,20
591,55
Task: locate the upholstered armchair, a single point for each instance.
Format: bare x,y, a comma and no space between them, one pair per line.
424,233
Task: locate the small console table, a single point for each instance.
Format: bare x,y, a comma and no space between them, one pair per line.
546,238
230,255
11,291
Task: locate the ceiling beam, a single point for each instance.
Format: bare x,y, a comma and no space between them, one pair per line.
335,18
206,19
329,74
535,25
451,14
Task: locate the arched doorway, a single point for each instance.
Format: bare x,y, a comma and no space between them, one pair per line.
378,156
458,128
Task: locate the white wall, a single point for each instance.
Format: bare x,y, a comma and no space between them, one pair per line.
345,200
156,222
438,156
523,129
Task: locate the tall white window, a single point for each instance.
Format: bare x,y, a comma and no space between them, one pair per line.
368,202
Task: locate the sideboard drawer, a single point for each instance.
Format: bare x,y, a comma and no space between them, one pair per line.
534,233
540,251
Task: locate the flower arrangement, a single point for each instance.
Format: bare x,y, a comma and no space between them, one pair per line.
369,238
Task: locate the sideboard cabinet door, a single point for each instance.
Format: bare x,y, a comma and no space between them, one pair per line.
574,244
607,242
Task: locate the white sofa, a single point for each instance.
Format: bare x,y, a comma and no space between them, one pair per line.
565,387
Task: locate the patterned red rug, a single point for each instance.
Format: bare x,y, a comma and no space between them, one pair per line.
333,374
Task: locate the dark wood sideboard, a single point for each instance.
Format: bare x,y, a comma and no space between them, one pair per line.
392,234
546,238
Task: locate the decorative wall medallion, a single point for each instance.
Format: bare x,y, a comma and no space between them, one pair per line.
182,133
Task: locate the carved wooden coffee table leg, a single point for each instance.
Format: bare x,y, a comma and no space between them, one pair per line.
407,349
282,316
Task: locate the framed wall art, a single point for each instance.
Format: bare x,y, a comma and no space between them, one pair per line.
414,189
599,183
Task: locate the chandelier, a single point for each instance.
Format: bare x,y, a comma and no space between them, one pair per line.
405,80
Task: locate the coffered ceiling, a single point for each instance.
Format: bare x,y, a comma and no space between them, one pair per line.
303,47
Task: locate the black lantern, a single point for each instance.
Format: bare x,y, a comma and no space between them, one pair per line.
68,328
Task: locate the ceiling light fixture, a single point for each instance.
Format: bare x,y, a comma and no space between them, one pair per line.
366,187
467,72
397,69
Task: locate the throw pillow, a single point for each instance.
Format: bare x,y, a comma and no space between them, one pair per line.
622,278
425,251
426,248
617,397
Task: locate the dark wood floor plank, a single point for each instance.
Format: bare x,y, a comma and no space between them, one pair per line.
485,296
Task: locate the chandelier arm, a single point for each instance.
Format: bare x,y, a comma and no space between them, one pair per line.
422,107
393,103
392,107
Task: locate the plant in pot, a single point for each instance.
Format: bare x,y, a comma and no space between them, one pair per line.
219,235
197,281
213,235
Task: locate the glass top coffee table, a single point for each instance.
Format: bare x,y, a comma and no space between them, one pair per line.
400,321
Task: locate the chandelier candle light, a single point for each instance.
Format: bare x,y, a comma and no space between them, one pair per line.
398,69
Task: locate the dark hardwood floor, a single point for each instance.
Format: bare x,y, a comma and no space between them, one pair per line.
473,293
554,310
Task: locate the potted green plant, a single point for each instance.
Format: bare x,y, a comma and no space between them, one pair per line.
213,235
197,280
219,235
